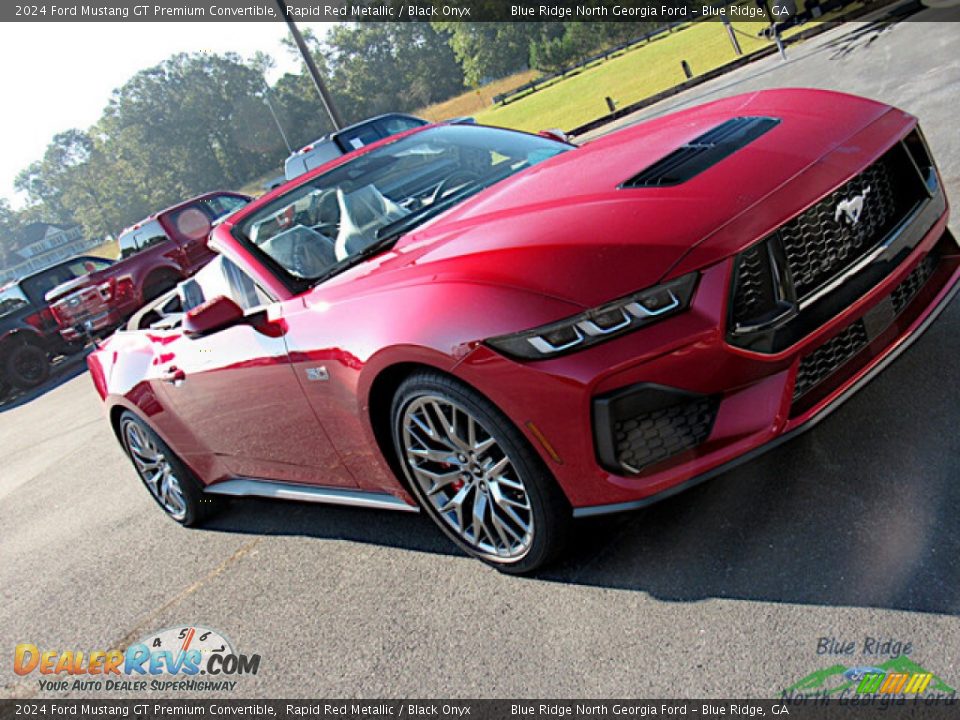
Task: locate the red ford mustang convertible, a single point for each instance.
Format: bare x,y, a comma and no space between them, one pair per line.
508,331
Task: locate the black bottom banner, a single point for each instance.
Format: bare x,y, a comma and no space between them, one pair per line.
798,708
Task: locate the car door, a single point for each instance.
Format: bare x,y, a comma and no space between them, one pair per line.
234,395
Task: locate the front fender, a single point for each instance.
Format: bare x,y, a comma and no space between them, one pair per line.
435,325
358,338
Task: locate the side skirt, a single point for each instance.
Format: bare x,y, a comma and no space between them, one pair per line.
247,487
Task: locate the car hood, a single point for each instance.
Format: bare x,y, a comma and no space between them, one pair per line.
565,228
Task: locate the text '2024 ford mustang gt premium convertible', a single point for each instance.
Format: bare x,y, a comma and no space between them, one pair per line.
508,331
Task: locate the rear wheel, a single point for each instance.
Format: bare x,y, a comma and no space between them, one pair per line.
171,484
26,365
475,474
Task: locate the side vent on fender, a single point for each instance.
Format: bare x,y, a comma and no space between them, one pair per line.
702,152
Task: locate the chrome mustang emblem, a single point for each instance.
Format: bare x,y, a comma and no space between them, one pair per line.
851,208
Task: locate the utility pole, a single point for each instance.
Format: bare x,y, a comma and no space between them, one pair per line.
328,105
273,113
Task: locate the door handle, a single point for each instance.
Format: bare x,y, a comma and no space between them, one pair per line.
174,375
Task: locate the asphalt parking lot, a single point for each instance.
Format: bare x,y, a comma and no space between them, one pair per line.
848,532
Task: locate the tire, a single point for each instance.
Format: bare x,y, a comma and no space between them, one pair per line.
170,483
26,365
523,515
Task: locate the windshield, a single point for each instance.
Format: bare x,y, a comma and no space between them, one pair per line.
337,218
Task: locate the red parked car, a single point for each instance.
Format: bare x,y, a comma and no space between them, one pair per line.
155,254
508,331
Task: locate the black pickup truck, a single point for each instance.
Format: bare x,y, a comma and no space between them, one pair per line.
29,335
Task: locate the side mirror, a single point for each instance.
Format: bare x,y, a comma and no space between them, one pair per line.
555,134
217,314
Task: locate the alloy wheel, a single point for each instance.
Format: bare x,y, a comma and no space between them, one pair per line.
467,478
156,471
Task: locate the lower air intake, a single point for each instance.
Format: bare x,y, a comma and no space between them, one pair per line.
641,425
649,438
828,358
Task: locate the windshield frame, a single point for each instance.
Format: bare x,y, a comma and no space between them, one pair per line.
297,285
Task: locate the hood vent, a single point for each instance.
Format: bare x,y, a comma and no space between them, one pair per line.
702,152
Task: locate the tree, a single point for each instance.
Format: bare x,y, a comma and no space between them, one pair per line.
383,67
10,226
191,124
185,116
299,109
487,51
46,180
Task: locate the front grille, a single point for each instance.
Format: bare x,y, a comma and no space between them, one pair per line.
836,352
822,242
650,437
783,284
829,357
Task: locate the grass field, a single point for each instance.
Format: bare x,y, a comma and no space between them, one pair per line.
474,101
640,72
109,250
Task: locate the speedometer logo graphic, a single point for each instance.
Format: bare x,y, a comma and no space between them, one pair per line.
182,639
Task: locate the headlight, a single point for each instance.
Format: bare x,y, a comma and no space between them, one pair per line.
599,324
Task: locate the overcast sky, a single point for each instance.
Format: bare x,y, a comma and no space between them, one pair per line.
58,76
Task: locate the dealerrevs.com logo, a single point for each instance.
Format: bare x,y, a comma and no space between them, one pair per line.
170,660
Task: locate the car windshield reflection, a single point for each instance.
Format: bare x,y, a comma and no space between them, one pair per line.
316,229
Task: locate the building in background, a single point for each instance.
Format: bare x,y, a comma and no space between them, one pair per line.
40,245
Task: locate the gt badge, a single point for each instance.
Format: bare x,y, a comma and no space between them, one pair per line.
317,373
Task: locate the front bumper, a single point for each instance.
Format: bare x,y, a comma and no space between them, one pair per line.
756,407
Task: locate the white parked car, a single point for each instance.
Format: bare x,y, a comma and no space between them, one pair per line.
350,138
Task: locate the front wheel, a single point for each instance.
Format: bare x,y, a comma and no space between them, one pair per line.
476,475
171,483
26,366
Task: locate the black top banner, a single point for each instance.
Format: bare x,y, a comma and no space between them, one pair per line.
654,11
